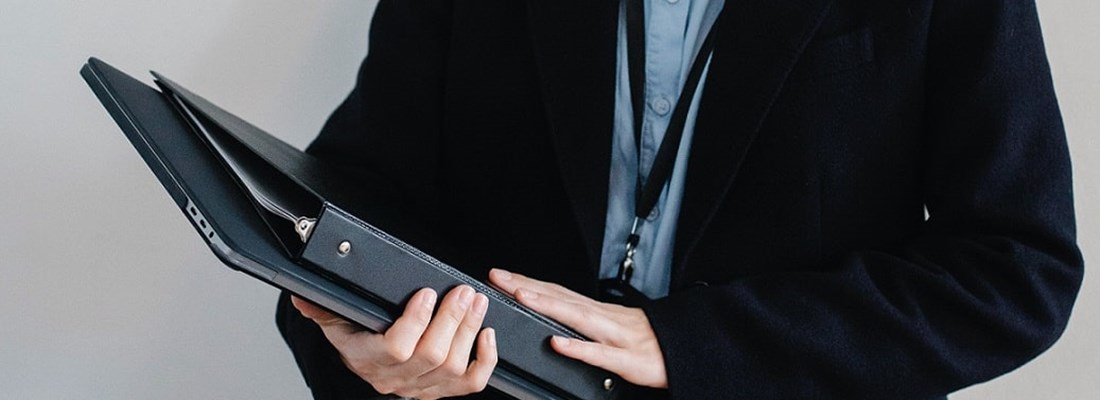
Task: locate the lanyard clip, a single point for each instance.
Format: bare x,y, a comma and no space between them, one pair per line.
626,267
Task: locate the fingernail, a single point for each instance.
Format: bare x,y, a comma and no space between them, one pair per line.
560,341
503,275
492,337
481,304
465,296
429,299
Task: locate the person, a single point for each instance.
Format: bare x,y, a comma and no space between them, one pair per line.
869,199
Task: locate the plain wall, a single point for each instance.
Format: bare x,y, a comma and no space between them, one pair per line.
107,292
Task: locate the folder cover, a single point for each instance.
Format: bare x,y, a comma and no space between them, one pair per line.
288,219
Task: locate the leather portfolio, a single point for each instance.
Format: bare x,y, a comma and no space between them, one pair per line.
330,236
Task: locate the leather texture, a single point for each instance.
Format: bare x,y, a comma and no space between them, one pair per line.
385,268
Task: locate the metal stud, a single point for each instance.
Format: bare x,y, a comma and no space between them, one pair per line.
608,384
344,248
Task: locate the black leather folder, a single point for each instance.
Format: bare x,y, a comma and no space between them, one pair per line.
268,209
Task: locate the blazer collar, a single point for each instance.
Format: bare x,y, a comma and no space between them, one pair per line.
575,46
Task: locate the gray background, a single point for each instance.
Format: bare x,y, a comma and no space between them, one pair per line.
106,292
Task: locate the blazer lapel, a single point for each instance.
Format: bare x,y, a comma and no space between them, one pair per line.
759,42
575,43
575,46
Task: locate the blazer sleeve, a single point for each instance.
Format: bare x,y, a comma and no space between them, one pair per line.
987,285
395,102
318,360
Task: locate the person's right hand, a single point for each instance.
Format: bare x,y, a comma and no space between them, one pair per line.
418,356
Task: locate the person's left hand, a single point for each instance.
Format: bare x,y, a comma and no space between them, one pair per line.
623,340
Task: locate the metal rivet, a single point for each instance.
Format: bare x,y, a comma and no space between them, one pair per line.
344,248
608,384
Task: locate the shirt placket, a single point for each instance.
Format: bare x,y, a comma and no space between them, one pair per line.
666,22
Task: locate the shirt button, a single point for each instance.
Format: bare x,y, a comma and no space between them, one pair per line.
673,1
653,214
661,106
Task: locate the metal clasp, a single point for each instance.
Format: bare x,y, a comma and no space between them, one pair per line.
626,268
304,227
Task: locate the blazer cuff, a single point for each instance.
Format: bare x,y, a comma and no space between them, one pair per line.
700,360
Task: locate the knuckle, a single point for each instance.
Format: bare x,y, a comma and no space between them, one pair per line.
338,339
453,368
432,357
384,387
605,353
359,367
455,316
396,353
413,394
471,325
468,386
420,319
478,383
415,316
481,384
471,319
588,314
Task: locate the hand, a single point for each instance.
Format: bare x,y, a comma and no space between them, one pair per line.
624,342
418,356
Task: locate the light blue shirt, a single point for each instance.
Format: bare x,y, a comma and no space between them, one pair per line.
674,31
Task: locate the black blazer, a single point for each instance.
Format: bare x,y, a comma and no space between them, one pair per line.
805,265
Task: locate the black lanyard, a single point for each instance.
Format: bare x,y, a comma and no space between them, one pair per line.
648,191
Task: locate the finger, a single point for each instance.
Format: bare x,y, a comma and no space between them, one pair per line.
625,363
335,328
364,351
509,282
475,378
588,319
399,341
310,310
459,357
434,346
612,359
477,375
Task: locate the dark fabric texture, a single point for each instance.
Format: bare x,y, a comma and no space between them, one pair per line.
804,265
